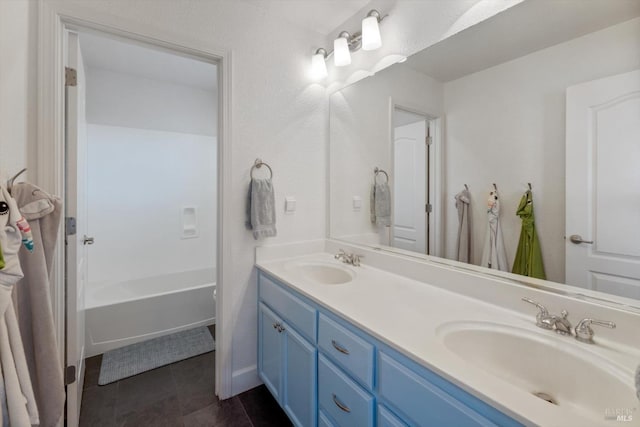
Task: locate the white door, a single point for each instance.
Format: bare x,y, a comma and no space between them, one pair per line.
603,185
409,187
76,207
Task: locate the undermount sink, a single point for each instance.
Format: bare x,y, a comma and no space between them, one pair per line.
323,272
562,373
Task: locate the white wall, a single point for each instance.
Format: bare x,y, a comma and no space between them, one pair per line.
276,113
359,136
138,182
121,99
506,125
18,69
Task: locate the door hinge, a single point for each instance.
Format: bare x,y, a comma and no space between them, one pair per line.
70,76
69,226
428,140
70,375
428,208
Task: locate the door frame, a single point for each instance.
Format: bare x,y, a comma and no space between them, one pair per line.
435,180
50,154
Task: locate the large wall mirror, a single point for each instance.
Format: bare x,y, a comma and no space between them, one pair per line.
446,154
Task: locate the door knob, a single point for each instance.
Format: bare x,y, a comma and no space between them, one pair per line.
86,240
576,239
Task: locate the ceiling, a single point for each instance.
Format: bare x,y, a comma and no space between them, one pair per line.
525,28
130,57
321,16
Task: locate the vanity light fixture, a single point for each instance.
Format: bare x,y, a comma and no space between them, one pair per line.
318,66
371,31
341,55
367,39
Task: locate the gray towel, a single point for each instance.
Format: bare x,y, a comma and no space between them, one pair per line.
261,209
638,382
463,243
380,204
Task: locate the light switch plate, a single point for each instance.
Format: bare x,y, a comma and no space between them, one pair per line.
357,203
289,205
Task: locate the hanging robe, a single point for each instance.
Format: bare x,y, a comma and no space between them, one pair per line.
32,301
528,260
494,255
21,409
463,243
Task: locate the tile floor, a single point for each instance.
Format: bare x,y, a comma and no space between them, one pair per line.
177,395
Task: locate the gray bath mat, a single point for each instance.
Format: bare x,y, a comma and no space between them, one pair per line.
144,356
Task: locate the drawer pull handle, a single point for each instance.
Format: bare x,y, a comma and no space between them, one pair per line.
339,347
339,404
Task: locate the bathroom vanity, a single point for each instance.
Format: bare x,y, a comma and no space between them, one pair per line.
398,342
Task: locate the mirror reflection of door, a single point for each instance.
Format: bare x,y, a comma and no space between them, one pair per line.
602,182
410,186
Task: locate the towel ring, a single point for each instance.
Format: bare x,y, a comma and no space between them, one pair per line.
257,165
377,171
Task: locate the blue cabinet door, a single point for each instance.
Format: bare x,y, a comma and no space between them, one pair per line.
299,397
270,350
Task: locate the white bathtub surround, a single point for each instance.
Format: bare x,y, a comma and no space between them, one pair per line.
122,313
418,306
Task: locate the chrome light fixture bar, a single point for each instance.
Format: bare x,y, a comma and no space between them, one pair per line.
367,39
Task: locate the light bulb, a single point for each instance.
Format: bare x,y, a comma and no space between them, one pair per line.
318,66
370,33
341,55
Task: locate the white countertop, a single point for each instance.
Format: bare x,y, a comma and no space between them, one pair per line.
406,314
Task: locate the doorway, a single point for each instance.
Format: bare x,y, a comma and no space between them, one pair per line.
141,192
414,184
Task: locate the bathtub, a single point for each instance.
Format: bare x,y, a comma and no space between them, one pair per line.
123,313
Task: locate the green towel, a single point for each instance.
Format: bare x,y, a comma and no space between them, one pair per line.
528,260
1,259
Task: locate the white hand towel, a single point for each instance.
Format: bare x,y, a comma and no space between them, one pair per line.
261,209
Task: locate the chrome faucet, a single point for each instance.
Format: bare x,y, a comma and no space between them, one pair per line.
583,330
559,324
348,258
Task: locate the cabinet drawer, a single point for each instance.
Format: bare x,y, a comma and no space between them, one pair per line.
341,398
323,420
387,419
424,403
297,313
351,352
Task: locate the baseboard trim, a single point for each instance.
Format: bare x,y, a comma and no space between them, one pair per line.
245,379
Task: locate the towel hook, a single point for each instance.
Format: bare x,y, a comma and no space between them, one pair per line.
377,171
466,187
257,165
529,184
12,179
495,187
